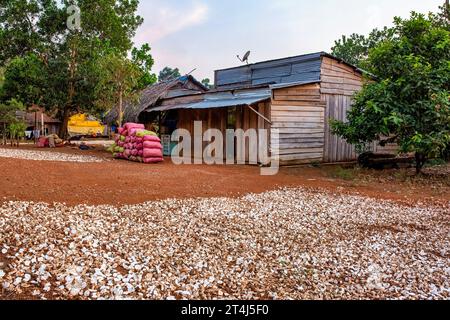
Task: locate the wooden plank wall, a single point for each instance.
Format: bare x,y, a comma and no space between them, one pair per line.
298,113
337,149
217,119
339,82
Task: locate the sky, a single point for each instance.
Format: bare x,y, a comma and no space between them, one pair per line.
206,35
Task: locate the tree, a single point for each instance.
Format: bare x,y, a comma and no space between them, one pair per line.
207,83
442,18
355,49
144,61
16,131
8,112
409,100
66,57
18,30
119,79
24,80
168,74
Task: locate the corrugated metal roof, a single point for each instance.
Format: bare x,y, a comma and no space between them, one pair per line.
221,100
286,70
291,84
293,69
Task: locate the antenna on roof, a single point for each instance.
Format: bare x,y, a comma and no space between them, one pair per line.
188,74
245,57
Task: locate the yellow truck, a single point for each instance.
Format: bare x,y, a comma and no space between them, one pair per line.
83,125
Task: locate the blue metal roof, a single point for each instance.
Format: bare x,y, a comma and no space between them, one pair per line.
301,68
294,69
291,84
222,100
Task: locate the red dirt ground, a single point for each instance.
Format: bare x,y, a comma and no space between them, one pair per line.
122,182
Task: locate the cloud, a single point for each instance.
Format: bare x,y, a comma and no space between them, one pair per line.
163,19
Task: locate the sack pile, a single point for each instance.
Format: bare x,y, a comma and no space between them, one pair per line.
134,143
50,141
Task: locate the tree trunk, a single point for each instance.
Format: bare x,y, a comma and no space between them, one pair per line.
120,108
4,133
421,159
63,131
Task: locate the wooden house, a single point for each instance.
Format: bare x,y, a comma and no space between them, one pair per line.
295,96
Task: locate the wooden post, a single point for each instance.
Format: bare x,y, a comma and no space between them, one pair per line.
35,127
42,124
159,124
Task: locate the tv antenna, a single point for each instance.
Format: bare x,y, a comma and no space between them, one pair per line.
245,57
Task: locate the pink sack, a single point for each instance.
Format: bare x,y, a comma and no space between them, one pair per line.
140,153
152,145
125,133
152,138
121,144
135,131
153,160
131,125
128,139
127,153
132,132
134,153
139,146
139,140
120,130
153,153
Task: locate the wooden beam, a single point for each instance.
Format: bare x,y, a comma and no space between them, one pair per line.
259,114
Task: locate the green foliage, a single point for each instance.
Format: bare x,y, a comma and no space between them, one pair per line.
24,77
168,74
8,110
144,61
343,173
409,101
50,65
18,35
2,77
17,129
119,77
8,119
355,48
207,83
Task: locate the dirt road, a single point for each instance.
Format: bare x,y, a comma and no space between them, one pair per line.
122,182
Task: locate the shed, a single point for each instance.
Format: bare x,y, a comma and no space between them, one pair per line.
296,96
179,87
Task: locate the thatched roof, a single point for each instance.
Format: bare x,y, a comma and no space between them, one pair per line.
150,96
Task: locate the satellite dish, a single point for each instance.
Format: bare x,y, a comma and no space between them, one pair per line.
245,57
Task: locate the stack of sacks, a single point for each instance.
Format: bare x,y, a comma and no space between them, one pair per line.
134,143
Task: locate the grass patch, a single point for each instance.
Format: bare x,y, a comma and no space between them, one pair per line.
343,173
435,163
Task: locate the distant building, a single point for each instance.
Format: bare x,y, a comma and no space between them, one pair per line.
39,121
